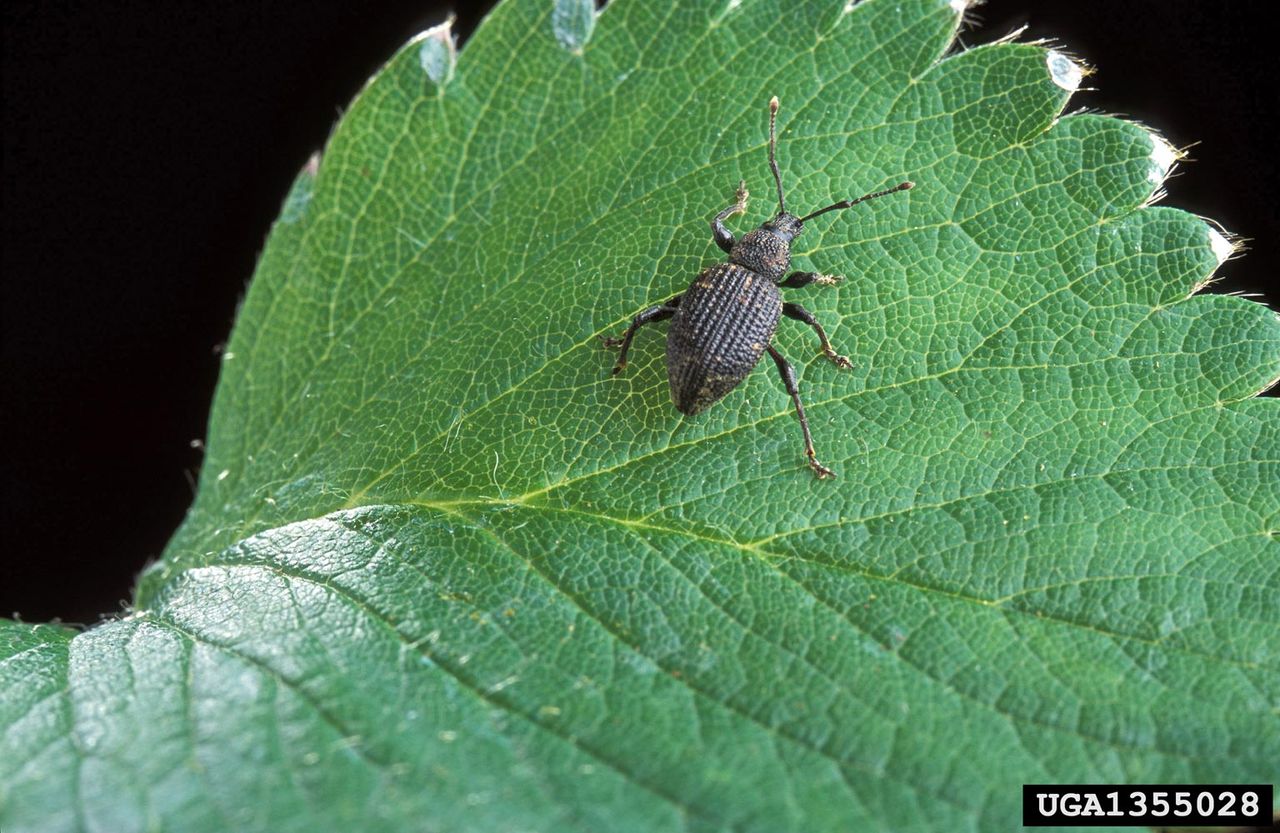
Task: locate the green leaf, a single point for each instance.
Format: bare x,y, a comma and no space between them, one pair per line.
444,573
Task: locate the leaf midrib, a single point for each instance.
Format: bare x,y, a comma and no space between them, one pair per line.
454,508
772,559
323,584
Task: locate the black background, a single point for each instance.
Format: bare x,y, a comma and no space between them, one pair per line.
147,148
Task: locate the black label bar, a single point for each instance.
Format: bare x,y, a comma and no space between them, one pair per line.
1144,805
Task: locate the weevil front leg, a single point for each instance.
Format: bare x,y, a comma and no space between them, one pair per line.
660,312
789,382
724,237
798,313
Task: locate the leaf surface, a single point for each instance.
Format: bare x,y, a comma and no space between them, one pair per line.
444,573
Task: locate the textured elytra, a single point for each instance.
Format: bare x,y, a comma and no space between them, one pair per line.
725,320
443,574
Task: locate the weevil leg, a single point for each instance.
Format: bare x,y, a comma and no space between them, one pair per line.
798,279
661,312
789,382
799,313
724,237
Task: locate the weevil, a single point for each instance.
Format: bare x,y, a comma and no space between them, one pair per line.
724,322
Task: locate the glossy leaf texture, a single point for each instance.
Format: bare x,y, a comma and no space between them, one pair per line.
445,574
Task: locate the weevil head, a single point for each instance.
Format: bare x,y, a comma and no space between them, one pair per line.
785,226
767,250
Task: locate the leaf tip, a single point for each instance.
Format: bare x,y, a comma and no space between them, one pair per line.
573,21
299,196
1064,72
1163,157
1223,246
438,52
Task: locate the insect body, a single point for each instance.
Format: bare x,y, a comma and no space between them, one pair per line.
724,322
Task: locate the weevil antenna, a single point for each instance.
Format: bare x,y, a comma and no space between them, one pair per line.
903,186
773,151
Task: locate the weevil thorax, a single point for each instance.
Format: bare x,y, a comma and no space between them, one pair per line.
767,250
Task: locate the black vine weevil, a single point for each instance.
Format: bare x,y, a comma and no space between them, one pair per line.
725,320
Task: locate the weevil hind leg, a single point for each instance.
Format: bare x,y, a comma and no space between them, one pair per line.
788,374
798,313
660,312
798,279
